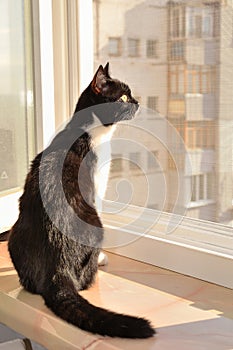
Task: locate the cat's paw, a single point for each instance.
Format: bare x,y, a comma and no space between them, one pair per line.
102,259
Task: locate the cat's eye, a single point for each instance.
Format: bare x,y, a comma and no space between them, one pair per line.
124,98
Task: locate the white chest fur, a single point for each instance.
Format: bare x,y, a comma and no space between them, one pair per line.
101,143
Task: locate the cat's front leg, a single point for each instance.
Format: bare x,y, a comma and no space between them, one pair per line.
102,259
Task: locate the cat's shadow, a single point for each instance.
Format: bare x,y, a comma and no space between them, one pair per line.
6,269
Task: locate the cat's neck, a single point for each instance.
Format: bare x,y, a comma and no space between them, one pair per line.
101,134
100,142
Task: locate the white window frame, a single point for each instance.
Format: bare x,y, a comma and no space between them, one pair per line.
43,12
179,251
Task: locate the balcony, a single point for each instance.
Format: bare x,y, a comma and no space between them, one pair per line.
200,107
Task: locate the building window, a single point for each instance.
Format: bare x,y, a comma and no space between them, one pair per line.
17,139
134,158
176,50
133,47
202,21
152,160
192,79
201,79
196,134
177,79
151,48
176,22
176,106
116,163
152,103
200,135
201,187
114,46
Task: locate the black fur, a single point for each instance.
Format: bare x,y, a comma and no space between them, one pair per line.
55,247
4,236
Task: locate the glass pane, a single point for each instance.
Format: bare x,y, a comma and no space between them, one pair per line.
151,48
16,98
201,187
133,47
114,46
196,89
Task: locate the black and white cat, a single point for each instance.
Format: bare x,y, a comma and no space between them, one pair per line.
56,241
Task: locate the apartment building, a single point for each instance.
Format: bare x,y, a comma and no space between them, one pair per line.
200,101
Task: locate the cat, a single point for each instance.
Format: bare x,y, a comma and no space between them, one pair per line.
56,241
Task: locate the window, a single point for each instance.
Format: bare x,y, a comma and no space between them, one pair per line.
192,79
201,79
200,135
176,21
133,47
196,134
176,50
152,160
16,95
116,164
202,185
152,103
114,46
202,21
176,106
151,48
177,80
134,160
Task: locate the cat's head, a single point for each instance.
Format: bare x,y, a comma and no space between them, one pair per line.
110,98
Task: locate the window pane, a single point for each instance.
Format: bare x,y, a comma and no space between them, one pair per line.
194,189
133,47
151,48
152,161
116,164
201,187
114,46
177,50
16,96
191,81
134,158
152,102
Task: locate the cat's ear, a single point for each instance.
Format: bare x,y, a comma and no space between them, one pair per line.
99,81
106,69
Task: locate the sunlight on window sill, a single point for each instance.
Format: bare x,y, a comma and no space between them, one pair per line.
9,209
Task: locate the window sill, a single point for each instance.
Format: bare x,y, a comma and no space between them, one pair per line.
188,246
9,208
191,247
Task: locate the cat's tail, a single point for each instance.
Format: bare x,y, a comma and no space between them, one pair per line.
4,236
62,298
